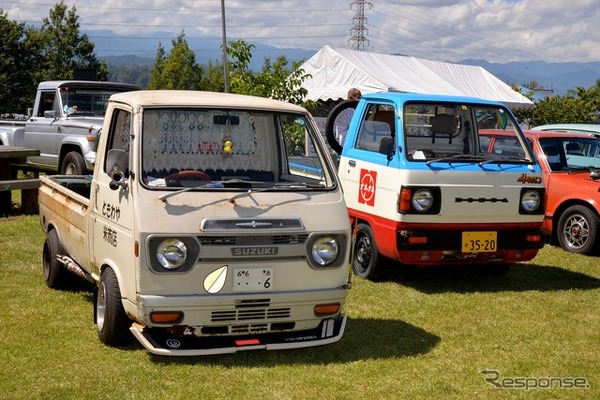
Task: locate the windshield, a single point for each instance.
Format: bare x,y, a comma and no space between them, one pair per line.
85,101
566,153
216,149
448,132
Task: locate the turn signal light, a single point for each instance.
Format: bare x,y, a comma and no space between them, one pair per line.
327,309
166,317
404,200
534,238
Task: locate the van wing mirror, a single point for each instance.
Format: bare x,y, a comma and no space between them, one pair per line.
117,165
386,146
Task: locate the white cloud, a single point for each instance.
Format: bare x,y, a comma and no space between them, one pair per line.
494,30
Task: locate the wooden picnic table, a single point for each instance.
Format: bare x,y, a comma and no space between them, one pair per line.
9,157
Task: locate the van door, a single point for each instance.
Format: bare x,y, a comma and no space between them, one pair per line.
369,162
112,210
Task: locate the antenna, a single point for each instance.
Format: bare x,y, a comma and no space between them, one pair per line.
359,31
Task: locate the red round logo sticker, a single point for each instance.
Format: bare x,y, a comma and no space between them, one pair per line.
366,190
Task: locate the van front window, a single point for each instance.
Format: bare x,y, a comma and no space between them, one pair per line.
449,132
224,148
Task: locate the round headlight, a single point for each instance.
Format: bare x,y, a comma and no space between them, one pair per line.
422,200
171,253
530,201
325,250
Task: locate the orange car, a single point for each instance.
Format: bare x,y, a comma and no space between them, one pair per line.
571,166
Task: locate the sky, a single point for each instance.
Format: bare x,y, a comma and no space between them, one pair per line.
497,31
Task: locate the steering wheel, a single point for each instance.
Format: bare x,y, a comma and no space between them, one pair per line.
186,175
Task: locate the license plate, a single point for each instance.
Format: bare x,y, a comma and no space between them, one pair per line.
252,279
479,242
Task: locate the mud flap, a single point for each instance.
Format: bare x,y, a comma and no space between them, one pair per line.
163,342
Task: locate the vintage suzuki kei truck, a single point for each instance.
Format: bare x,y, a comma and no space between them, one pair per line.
212,223
421,192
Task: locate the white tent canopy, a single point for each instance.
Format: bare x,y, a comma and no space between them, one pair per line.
335,71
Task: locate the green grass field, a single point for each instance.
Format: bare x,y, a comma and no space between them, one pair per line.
419,334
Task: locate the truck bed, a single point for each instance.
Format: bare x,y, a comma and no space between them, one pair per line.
63,203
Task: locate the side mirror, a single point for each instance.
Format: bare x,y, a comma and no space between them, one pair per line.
51,114
595,174
386,147
117,165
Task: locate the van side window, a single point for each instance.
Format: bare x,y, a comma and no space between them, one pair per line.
120,131
379,121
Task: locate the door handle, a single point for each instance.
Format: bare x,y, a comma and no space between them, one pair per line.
352,163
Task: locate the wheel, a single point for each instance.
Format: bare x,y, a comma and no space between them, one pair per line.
55,275
175,178
366,261
73,164
111,321
331,122
577,229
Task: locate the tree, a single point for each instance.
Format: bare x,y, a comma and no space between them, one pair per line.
17,87
275,80
61,48
213,79
178,70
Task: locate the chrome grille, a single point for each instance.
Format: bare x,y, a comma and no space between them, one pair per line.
250,313
250,240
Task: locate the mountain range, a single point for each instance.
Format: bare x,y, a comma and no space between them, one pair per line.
555,78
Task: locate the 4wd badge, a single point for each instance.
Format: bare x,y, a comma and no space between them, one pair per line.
366,190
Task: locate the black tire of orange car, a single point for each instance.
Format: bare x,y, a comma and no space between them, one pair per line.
578,229
366,262
111,320
73,164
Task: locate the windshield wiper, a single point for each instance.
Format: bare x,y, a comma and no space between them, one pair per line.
457,157
294,185
210,185
574,170
502,159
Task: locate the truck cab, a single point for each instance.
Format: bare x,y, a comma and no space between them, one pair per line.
66,122
213,223
420,191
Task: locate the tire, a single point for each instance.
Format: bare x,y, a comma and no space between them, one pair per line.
55,275
330,124
111,321
366,262
578,229
73,164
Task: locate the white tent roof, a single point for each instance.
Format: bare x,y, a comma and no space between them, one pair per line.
335,70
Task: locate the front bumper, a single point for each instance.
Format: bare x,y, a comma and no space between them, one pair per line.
162,342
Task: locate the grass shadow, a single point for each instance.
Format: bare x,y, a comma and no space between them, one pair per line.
364,339
521,277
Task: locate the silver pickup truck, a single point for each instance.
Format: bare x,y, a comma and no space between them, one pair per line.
64,125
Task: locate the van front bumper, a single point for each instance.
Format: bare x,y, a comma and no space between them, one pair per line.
162,342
